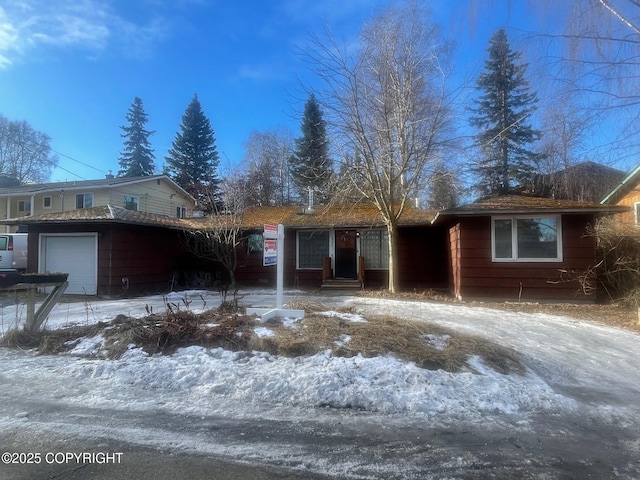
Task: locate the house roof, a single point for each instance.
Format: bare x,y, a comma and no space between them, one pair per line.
628,183
39,188
253,217
347,216
351,216
525,205
102,214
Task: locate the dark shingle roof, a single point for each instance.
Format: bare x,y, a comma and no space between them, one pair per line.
523,204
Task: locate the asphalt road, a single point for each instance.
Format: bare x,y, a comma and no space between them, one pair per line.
555,448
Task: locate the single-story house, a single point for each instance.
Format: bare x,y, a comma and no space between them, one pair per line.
520,247
627,193
510,247
107,250
155,194
330,245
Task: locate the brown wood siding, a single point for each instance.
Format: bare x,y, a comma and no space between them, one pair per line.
146,256
629,200
481,277
422,259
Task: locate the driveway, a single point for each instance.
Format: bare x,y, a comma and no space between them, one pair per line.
588,430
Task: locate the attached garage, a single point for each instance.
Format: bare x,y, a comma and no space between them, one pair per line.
75,254
111,251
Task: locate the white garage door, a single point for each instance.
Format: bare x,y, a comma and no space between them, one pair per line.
75,255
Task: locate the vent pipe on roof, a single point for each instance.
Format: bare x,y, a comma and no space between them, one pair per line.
310,207
109,175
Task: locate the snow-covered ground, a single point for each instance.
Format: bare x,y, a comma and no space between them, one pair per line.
574,369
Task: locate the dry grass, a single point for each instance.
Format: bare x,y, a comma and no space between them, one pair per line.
385,335
427,345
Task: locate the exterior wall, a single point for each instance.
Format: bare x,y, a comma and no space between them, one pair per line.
422,258
629,200
156,196
422,264
146,256
480,277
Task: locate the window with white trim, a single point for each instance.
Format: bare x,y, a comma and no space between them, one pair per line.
526,239
84,200
46,202
131,202
24,205
374,247
312,248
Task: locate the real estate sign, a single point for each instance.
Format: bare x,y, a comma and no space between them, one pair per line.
270,252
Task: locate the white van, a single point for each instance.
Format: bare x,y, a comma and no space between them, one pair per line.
13,251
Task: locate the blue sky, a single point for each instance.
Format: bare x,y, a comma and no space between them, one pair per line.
71,68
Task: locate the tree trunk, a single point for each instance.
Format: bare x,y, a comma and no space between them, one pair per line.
394,277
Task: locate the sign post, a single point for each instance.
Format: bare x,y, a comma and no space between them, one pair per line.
273,250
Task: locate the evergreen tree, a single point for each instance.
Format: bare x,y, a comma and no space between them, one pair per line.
310,164
137,159
501,117
192,161
444,188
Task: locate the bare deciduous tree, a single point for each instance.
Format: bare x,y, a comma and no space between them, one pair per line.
385,101
218,236
25,153
266,161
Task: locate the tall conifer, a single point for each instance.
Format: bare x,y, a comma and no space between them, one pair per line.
137,158
502,117
193,158
310,164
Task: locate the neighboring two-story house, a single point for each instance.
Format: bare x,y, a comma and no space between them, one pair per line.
110,235
156,194
627,193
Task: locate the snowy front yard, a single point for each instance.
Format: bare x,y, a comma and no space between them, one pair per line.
573,369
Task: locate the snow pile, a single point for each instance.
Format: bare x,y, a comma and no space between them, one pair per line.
381,384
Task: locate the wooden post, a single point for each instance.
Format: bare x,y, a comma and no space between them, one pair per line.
35,319
326,268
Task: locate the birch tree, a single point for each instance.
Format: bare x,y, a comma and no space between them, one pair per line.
386,103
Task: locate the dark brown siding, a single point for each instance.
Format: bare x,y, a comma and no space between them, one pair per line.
422,258
480,277
147,257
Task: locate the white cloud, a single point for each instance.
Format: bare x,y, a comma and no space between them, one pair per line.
8,40
87,25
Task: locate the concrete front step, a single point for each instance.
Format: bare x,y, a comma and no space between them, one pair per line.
342,284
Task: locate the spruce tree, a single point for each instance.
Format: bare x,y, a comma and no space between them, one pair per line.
310,164
502,117
137,158
192,161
